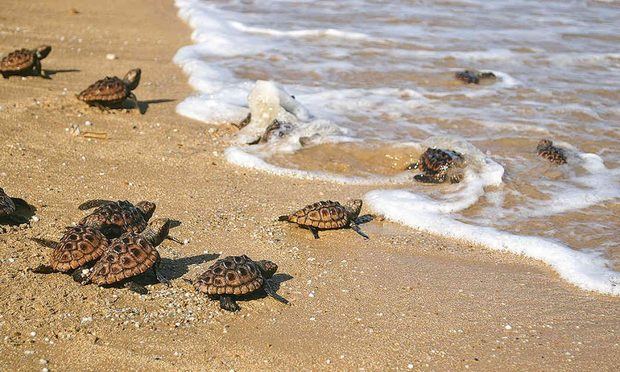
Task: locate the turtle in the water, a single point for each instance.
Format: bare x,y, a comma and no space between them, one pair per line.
554,154
111,92
438,166
473,77
79,247
277,129
25,62
130,255
235,276
327,215
115,218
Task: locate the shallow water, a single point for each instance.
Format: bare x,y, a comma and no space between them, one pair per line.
379,82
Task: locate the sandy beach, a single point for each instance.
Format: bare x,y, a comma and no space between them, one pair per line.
401,300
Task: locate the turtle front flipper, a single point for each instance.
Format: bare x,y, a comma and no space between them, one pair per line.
315,232
268,287
354,226
227,303
94,203
38,70
135,287
160,277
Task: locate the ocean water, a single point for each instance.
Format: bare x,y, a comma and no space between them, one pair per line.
367,86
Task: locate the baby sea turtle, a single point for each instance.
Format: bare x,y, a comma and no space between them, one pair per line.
78,247
111,92
130,255
327,215
439,165
25,62
473,77
554,154
10,209
115,218
235,276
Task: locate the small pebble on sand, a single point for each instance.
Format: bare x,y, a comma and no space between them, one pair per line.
111,56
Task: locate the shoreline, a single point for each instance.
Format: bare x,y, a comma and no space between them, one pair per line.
404,297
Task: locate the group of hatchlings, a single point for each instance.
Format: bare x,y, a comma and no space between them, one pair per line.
116,242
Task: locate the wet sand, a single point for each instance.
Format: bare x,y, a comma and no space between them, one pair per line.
401,300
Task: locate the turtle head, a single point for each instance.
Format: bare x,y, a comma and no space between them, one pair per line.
267,268
147,208
132,78
157,231
354,207
42,51
543,144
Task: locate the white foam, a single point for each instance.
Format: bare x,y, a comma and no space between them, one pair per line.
586,270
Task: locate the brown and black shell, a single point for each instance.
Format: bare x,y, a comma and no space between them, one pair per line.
126,257
435,160
19,60
109,90
554,154
233,275
78,246
7,206
323,215
116,218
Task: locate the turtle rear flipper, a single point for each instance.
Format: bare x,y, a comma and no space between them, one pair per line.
268,287
94,203
45,242
42,269
229,304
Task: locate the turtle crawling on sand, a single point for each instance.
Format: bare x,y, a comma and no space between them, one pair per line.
233,277
327,215
111,92
554,154
130,255
438,166
10,208
115,218
79,247
473,77
25,62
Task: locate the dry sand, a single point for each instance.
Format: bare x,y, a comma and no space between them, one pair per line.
402,300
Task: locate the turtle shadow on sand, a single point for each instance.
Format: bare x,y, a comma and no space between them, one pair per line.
22,214
143,106
276,280
177,268
51,72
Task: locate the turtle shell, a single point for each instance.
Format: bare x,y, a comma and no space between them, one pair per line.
116,218
78,246
18,60
233,275
7,206
435,160
107,90
322,215
127,256
554,154
468,77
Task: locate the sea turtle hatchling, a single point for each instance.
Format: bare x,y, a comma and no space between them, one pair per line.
547,150
233,277
25,62
130,255
79,247
111,92
115,218
10,208
327,215
473,77
438,166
